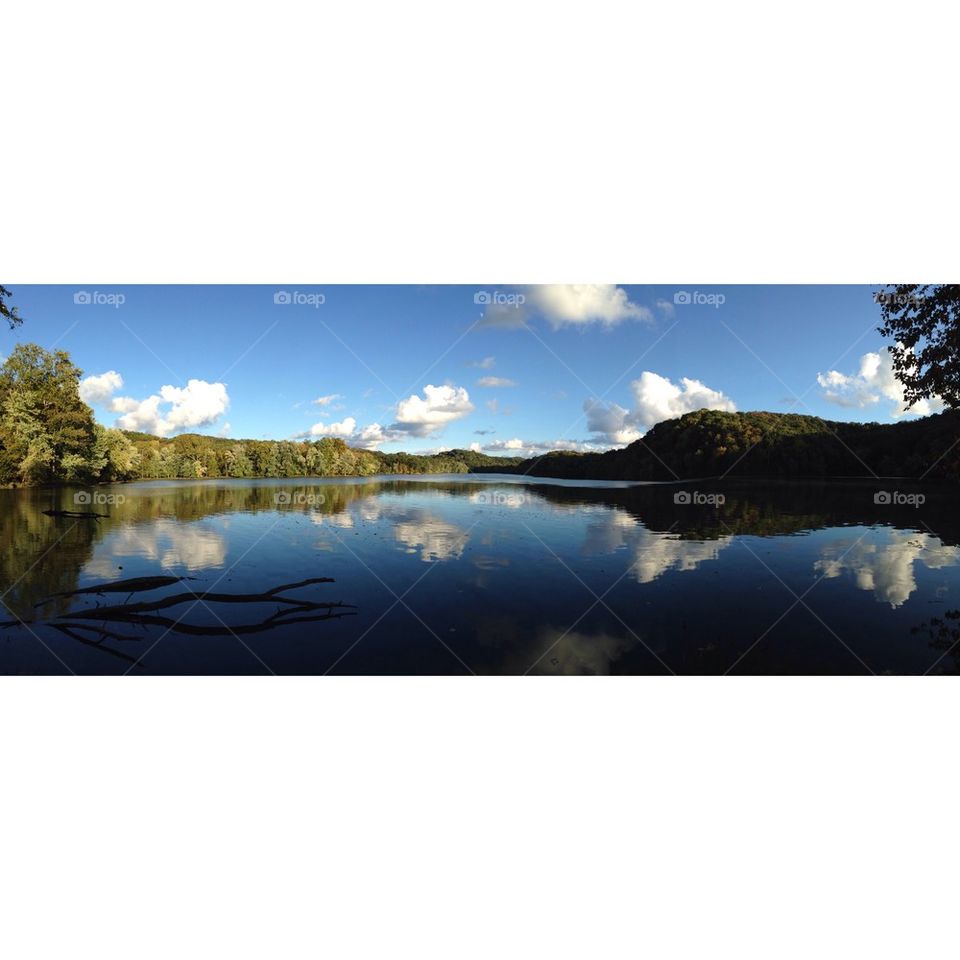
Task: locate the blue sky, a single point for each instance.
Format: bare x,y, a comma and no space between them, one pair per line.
417,368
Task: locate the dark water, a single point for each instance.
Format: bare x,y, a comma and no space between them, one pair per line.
484,575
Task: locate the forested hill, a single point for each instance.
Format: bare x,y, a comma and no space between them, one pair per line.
711,443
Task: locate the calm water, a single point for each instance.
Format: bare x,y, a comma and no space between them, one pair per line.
482,574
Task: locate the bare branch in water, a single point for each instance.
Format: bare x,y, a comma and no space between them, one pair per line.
290,611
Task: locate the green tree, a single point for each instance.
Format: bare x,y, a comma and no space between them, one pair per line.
113,456
46,430
924,322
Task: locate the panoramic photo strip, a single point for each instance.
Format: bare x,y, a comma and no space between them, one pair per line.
570,479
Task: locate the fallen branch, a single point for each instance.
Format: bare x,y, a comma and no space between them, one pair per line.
131,586
147,613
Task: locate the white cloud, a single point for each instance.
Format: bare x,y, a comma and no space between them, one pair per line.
475,447
101,387
613,422
534,448
426,415
496,382
576,304
486,363
327,400
666,308
198,404
417,416
655,398
373,436
345,428
874,381
500,445
567,305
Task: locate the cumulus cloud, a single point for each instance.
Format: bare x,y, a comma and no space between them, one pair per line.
575,304
418,416
424,415
496,382
173,409
101,387
566,305
500,445
345,428
874,382
373,436
612,422
655,398
475,447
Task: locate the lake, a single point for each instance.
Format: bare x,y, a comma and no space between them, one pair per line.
485,574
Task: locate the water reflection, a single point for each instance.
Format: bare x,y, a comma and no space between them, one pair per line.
417,530
171,545
886,569
654,554
428,536
512,568
578,654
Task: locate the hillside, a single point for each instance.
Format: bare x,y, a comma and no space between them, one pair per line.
710,443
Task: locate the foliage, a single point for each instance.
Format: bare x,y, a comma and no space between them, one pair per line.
46,430
924,322
712,443
8,313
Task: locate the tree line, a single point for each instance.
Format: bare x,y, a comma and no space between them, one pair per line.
49,435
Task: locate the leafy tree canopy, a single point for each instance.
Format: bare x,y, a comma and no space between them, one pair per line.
924,322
